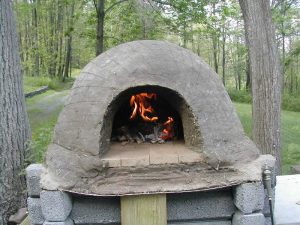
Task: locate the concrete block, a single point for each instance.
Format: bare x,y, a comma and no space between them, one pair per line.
248,219
228,222
68,221
56,205
96,210
200,206
35,211
33,173
249,197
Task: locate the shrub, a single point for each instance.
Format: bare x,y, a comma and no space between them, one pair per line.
34,83
290,103
240,96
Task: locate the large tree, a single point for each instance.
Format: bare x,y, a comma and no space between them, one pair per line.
266,76
14,128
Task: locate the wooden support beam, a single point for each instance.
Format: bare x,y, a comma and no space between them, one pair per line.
144,210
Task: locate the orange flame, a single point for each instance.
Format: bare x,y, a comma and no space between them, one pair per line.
167,133
140,103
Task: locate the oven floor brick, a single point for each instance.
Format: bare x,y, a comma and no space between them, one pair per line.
150,154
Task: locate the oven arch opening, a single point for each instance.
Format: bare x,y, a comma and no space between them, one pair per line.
167,103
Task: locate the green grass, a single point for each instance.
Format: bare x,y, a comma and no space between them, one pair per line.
290,124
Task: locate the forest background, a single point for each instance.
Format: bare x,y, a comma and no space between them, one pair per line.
57,36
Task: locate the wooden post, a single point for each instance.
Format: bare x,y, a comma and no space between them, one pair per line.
144,210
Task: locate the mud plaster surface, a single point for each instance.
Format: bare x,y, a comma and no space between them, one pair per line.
211,126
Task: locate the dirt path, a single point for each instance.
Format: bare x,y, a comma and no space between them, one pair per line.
43,107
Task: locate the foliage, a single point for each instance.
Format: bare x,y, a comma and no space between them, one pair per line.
212,29
34,83
291,103
242,96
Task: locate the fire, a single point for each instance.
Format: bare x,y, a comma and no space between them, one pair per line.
140,104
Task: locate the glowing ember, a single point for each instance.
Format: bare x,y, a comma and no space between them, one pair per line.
141,106
168,131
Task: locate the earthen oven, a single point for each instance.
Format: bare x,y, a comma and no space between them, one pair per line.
100,149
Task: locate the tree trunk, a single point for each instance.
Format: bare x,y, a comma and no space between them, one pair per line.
100,27
266,76
14,128
239,65
60,31
184,33
248,77
52,40
215,52
224,56
69,43
36,70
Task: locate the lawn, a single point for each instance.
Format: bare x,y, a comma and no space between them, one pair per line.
290,124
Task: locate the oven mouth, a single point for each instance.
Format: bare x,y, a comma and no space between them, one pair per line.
148,130
167,120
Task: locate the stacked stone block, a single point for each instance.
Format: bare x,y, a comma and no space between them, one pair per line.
245,204
249,200
33,173
56,207
46,207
